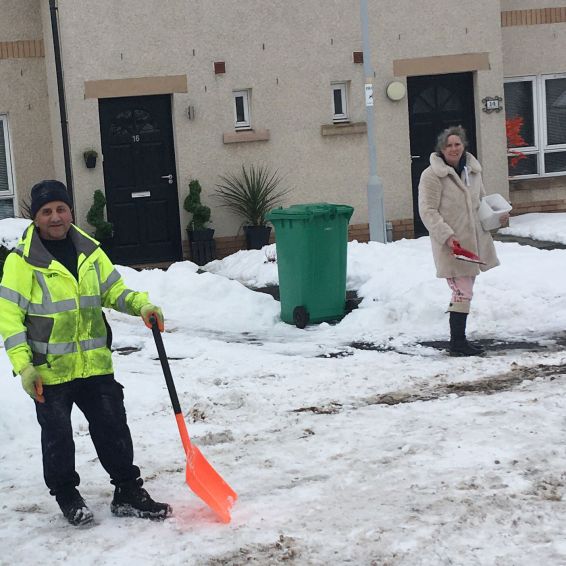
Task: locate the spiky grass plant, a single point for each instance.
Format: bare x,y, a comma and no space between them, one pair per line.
252,193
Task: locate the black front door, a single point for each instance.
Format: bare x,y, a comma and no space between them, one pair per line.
436,102
139,178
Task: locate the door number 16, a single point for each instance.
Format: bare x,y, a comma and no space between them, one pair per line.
136,138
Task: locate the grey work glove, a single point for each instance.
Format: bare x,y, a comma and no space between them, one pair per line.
32,383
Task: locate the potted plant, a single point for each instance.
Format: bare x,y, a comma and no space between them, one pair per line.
90,156
252,194
201,238
103,230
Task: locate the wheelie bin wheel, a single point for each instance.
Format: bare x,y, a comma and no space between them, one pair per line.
300,317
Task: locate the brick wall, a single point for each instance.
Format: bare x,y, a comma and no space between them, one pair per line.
359,232
403,229
227,245
540,206
21,49
533,17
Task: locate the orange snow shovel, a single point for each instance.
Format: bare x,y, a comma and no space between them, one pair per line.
201,477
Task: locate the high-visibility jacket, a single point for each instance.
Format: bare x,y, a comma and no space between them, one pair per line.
55,321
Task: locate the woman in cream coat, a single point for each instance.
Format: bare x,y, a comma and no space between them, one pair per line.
450,191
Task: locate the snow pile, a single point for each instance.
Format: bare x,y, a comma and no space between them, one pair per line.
539,226
11,229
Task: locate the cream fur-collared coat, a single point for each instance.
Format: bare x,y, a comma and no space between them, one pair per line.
448,206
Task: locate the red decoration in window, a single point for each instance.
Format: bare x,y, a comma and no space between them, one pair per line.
515,139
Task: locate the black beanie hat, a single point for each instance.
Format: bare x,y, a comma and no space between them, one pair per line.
48,191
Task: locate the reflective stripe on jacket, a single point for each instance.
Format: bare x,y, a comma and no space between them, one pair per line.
49,318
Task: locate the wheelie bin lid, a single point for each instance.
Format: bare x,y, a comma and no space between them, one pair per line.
310,211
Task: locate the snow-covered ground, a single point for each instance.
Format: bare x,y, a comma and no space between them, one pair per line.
348,443
538,225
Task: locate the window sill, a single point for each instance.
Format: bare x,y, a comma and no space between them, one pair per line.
246,136
339,129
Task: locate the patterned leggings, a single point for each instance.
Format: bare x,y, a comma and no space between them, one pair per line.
462,292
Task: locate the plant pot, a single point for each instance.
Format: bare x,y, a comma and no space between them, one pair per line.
200,235
257,236
107,245
90,161
202,245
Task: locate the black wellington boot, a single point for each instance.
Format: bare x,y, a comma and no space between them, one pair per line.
74,507
132,500
459,345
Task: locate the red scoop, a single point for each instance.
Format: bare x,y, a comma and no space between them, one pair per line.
465,255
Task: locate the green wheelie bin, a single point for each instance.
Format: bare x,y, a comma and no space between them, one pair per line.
311,241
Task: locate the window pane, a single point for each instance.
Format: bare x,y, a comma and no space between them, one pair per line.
240,114
338,108
122,124
446,101
525,166
145,123
519,103
556,111
555,162
425,102
3,164
6,208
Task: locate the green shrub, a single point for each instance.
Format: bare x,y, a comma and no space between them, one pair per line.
192,204
95,217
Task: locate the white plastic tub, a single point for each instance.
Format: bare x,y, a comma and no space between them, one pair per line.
491,208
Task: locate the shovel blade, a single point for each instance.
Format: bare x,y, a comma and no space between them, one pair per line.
475,259
465,255
205,482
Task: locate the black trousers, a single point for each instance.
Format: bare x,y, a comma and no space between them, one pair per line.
101,399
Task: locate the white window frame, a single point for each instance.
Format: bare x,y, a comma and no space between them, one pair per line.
11,194
246,95
344,116
554,148
541,147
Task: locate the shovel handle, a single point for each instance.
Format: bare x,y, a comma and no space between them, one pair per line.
165,366
171,386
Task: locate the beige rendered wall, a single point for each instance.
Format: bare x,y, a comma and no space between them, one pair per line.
23,97
534,49
20,20
529,4
288,53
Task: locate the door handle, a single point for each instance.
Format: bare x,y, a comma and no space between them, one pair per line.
168,177
415,156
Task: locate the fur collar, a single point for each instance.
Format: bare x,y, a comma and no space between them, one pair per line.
441,169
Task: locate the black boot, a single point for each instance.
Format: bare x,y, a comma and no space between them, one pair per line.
74,507
459,345
132,500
